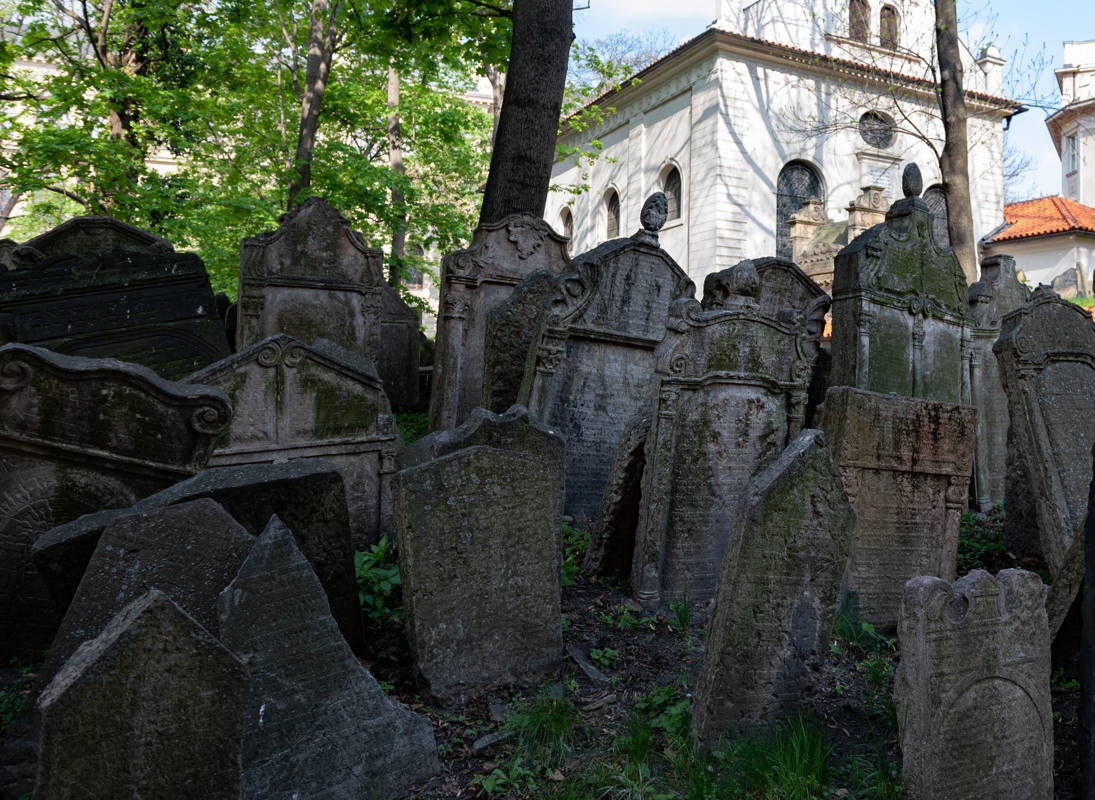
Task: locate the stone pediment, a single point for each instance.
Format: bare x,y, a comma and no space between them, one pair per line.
997,292
1047,329
508,250
86,235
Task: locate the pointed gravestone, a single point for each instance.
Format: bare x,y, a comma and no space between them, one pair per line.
479,557
1046,352
152,707
317,723
972,689
778,593
900,308
906,467
99,288
314,278
308,494
78,435
190,551
473,282
294,400
593,359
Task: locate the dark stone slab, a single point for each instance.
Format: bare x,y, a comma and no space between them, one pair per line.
317,723
152,707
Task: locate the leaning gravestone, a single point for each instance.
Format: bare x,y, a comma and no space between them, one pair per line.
593,360
190,551
294,400
314,278
1046,352
99,288
906,466
473,282
900,308
778,593
479,556
317,723
997,293
307,493
730,394
78,435
152,707
972,688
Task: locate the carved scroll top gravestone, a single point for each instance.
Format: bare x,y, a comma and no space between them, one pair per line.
508,250
998,292
79,236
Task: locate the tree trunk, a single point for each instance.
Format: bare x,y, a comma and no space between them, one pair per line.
954,160
395,161
524,146
497,80
321,49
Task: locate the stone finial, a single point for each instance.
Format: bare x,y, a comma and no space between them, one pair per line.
653,216
912,182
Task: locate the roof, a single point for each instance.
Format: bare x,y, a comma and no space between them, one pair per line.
1044,216
803,56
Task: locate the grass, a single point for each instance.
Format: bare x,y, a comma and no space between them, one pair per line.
545,727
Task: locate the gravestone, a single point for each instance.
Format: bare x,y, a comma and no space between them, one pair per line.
900,308
474,282
97,287
479,556
317,724
294,400
778,593
1046,353
152,707
190,551
972,688
308,493
731,394
612,539
78,435
1087,655
593,359
906,466
314,278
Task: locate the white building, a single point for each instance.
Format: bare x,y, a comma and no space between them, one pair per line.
776,103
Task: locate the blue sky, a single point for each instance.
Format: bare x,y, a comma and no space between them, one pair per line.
1043,26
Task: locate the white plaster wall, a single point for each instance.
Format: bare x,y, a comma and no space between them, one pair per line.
1043,259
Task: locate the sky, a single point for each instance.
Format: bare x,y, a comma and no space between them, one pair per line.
1027,33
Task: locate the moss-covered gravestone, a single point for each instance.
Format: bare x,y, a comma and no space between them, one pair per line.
151,707
593,361
317,724
972,688
473,282
778,593
314,278
78,435
296,400
900,308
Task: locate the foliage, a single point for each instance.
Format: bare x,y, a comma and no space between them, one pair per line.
858,635
413,425
504,780
13,698
378,584
1063,682
575,547
545,727
790,762
981,541
604,657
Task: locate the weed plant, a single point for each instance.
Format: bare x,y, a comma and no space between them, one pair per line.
981,542
545,727
378,584
412,425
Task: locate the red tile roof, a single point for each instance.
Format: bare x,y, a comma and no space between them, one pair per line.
1043,216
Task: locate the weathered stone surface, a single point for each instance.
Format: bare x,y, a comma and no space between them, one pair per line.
152,707
308,493
473,282
731,394
479,556
972,688
899,310
317,724
511,327
778,593
314,278
906,466
1046,353
594,362
996,294
190,551
612,539
78,435
1087,656
99,288
294,400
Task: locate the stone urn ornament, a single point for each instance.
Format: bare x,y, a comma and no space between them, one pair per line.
653,216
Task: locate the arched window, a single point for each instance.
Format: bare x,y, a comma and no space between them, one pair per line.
566,220
887,27
612,206
859,20
937,205
671,187
797,183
